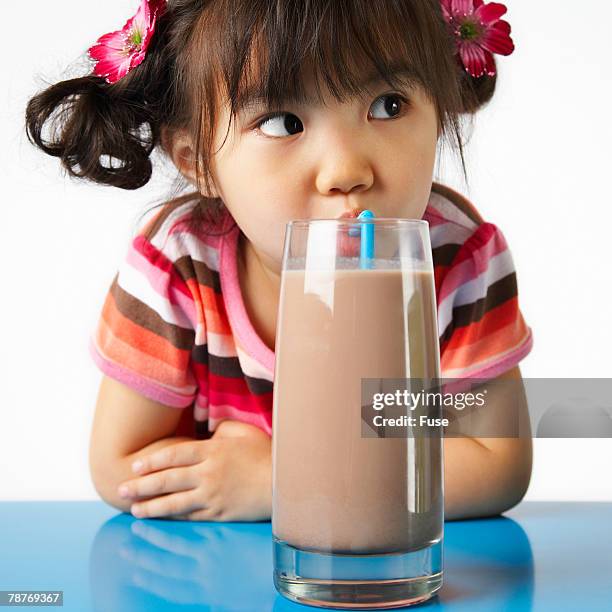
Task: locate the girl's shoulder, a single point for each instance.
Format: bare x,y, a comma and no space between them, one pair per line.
458,231
183,230
449,206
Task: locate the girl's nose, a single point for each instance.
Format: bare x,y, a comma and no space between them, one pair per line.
344,171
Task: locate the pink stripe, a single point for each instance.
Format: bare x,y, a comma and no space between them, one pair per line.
240,323
209,240
225,222
217,413
433,216
202,399
197,236
156,261
149,251
165,284
478,240
187,305
475,261
181,223
135,382
184,225
241,402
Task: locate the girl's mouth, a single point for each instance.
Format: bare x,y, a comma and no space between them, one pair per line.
351,214
348,246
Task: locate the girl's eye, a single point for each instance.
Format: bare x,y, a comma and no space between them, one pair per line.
280,125
390,104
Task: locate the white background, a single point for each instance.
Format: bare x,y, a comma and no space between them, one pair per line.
538,162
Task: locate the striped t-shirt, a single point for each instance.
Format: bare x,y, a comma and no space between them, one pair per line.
174,326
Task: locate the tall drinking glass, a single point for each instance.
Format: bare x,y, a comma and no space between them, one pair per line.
357,520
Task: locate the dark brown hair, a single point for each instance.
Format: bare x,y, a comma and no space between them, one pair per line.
237,48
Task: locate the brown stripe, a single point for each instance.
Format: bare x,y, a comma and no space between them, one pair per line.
200,354
499,292
230,367
201,430
445,254
259,386
448,332
462,203
141,314
192,268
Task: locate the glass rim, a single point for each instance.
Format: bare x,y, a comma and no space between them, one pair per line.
354,221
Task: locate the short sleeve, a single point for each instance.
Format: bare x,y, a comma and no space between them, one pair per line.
482,331
145,334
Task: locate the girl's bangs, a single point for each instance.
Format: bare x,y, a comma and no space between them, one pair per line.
272,47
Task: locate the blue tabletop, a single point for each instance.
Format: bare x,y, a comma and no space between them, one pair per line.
538,556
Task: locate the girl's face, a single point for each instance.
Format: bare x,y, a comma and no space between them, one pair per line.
314,160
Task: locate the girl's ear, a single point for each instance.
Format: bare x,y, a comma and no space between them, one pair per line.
179,145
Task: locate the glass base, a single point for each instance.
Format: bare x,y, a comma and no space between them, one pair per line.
359,582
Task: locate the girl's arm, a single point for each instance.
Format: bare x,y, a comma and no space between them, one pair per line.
486,476
126,426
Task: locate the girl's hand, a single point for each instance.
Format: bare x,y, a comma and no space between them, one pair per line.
225,478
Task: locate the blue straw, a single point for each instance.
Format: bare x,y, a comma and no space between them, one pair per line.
366,254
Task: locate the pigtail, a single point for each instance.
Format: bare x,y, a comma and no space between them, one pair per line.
99,131
106,132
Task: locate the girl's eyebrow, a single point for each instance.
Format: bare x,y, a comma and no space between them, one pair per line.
253,97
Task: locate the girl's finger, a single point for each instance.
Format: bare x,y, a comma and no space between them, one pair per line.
183,453
167,505
160,483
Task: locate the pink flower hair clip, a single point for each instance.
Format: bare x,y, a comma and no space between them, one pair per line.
479,32
118,52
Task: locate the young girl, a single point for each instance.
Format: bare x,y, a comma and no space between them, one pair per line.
273,111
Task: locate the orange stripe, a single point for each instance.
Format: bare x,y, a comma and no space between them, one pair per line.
113,349
494,319
212,304
141,338
485,349
194,288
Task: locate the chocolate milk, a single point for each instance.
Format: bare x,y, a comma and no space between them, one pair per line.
334,490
